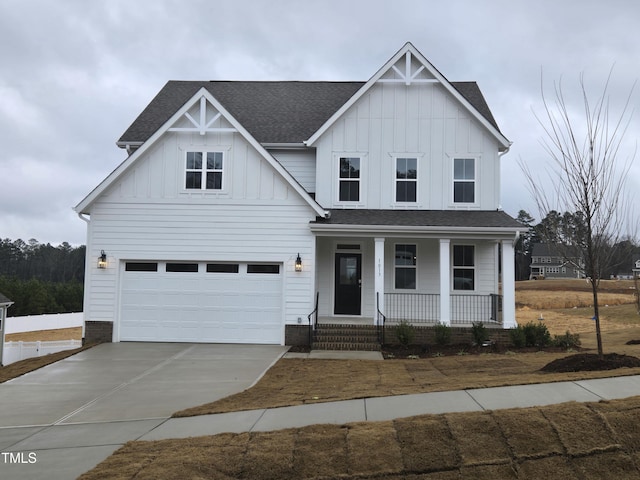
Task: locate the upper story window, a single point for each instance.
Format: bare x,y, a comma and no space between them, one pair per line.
405,267
349,179
204,171
464,269
464,180
406,179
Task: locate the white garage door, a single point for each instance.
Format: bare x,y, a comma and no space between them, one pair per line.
201,302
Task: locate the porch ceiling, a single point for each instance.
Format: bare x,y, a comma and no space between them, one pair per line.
436,222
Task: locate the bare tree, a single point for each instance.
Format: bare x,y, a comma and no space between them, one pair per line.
586,177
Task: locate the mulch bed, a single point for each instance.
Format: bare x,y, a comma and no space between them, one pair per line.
430,351
584,362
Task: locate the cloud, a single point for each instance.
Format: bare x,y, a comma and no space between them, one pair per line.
75,74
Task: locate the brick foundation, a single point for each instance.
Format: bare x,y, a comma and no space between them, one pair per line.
98,331
296,335
424,335
459,335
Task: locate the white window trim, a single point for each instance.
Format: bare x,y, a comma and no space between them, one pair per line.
476,181
474,268
415,267
394,180
204,149
337,179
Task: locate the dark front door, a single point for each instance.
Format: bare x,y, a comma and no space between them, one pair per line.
348,283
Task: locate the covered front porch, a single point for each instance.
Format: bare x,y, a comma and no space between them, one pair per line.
378,275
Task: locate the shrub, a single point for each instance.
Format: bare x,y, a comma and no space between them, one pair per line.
517,336
479,333
405,332
568,340
536,335
443,334
530,335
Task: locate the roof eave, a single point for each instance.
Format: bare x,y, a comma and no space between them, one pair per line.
285,146
427,230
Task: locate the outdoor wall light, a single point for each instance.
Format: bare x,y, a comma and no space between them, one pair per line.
102,260
298,263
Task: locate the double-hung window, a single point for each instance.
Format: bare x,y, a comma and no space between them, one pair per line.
406,179
464,180
349,179
204,171
405,266
464,270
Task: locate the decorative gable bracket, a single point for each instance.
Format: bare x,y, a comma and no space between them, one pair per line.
202,125
406,73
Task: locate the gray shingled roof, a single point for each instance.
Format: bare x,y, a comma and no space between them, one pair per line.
552,250
272,112
4,300
419,218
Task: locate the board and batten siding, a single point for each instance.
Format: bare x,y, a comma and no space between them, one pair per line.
299,163
148,215
420,120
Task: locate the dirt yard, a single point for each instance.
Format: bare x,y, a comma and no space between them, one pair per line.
300,381
567,441
74,333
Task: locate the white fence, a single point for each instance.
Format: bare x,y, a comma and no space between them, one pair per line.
32,323
16,351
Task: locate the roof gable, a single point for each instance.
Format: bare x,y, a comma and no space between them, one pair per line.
408,66
184,119
4,301
272,112
294,112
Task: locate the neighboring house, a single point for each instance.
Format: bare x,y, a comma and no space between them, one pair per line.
636,268
549,261
240,201
5,303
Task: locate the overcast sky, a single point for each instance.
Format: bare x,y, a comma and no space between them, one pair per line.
74,74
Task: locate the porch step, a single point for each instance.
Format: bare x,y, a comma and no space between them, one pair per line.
362,347
346,337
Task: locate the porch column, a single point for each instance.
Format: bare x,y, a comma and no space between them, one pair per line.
508,285
445,281
378,277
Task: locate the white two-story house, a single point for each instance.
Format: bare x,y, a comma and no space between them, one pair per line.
242,204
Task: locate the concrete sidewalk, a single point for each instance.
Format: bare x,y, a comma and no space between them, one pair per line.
388,408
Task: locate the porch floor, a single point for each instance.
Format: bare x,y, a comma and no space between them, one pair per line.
391,322
345,320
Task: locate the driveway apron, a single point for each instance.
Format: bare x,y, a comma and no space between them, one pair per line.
61,420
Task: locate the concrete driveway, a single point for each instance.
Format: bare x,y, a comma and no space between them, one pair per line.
63,419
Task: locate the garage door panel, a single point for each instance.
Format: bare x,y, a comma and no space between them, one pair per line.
201,307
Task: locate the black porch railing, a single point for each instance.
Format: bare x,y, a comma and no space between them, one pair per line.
380,321
466,309
412,307
313,320
424,308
